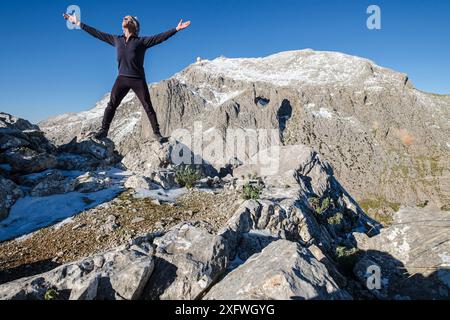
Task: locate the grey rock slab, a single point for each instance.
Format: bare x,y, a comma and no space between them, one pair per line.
282,271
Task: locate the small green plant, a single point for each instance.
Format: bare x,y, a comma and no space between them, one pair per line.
50,294
319,206
314,202
337,219
423,204
325,205
251,192
187,176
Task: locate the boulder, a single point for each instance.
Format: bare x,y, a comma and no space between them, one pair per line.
17,133
26,160
209,182
188,260
300,167
412,254
118,274
8,142
53,185
98,149
8,121
92,182
165,178
279,165
70,161
257,223
9,193
31,180
140,182
282,271
149,157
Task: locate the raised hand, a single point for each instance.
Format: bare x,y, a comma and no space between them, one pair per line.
183,25
72,18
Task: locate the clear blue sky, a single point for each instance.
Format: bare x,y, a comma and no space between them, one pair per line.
47,69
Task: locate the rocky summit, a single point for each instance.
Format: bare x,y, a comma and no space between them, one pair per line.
344,199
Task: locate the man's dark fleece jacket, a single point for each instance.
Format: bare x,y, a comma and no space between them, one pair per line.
131,54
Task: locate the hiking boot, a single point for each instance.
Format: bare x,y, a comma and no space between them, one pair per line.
158,137
102,134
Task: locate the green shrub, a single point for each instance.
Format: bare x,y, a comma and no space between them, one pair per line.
51,294
336,219
320,206
187,176
423,204
325,205
314,202
251,192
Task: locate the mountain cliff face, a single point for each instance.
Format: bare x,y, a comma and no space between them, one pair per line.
386,140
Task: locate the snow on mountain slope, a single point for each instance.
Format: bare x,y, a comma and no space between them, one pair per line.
299,68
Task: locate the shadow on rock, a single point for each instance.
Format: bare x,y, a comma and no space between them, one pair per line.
387,278
162,278
27,270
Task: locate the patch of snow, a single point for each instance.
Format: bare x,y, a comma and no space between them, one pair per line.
206,190
323,113
160,194
261,233
25,237
298,67
130,96
117,173
33,213
84,118
212,130
30,214
126,126
72,173
208,93
375,88
425,99
222,97
63,223
274,193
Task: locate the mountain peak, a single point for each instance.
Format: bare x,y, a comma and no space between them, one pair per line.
300,67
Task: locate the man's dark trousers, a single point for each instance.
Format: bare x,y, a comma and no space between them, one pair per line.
120,89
